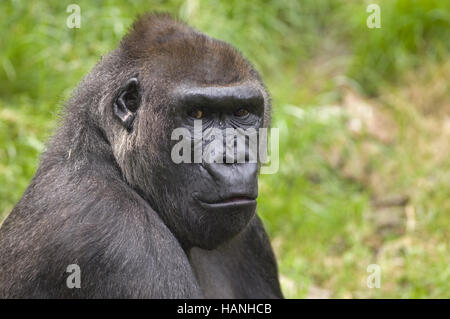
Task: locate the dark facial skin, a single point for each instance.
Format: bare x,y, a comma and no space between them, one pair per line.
222,195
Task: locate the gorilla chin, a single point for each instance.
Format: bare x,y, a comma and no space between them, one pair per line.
222,216
224,220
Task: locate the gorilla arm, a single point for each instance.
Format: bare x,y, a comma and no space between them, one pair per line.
99,223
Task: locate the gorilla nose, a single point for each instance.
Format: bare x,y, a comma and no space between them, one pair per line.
235,178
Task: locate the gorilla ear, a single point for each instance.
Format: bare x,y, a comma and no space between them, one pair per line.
127,103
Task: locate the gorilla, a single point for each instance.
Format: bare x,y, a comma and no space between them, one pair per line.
108,197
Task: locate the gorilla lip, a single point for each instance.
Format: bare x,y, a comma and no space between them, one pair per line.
237,200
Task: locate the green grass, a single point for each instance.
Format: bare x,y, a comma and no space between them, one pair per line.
321,63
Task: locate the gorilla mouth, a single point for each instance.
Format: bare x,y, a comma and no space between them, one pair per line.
234,200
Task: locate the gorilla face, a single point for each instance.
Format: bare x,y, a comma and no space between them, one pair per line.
207,202
220,192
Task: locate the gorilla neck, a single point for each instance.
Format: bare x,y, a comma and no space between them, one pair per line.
80,143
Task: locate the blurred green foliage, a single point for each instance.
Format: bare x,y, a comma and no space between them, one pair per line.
321,214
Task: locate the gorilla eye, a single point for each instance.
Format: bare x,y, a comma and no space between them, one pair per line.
241,112
197,114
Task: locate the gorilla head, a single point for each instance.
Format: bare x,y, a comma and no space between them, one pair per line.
174,76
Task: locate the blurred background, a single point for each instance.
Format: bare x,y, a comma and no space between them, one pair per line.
364,119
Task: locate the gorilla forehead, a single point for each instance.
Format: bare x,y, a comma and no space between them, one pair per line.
171,49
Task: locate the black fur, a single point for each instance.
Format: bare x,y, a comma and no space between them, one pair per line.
108,198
